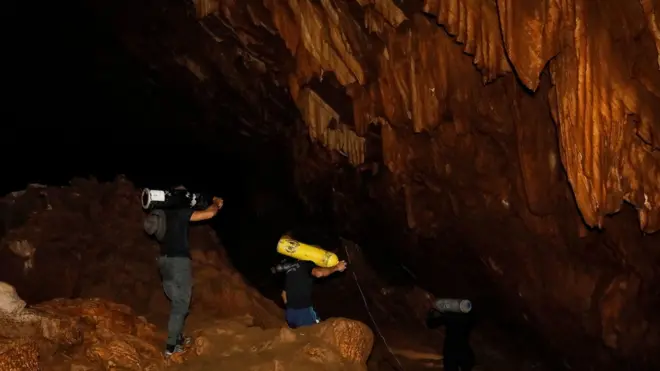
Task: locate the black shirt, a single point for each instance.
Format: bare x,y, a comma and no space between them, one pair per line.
298,285
459,325
175,242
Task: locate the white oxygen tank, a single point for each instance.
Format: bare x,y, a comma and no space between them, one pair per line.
453,305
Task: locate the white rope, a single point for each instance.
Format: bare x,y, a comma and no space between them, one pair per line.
366,306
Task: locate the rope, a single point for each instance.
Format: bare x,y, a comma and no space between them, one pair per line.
366,306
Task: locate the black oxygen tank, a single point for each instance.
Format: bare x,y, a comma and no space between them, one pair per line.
174,199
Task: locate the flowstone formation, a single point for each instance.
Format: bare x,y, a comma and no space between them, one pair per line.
510,129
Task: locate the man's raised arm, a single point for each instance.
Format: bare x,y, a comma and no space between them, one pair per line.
209,212
319,272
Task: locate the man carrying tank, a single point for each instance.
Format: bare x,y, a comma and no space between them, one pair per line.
457,353
297,294
300,275
175,264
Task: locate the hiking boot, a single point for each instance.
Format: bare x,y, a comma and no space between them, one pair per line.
184,340
173,349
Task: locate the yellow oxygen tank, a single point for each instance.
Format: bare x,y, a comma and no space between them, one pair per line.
302,251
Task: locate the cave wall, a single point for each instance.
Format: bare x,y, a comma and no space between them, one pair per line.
505,130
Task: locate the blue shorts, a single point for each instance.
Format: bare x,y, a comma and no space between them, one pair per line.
301,317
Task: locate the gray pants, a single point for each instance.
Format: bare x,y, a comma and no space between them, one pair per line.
177,283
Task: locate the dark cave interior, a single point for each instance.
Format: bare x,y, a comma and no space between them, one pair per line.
81,105
102,113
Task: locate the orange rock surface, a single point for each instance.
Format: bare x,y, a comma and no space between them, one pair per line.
93,334
237,344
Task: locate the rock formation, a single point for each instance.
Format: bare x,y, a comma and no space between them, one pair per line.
505,132
90,252
87,335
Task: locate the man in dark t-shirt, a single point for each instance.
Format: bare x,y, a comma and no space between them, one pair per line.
297,294
176,268
175,242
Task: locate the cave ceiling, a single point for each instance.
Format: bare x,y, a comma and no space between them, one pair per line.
433,66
